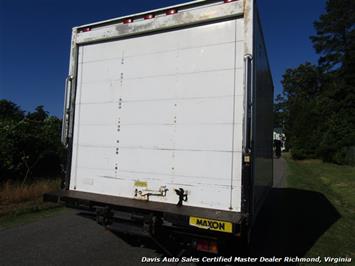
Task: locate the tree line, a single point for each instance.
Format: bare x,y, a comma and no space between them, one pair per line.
30,146
317,106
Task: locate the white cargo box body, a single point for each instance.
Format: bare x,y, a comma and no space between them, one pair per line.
160,105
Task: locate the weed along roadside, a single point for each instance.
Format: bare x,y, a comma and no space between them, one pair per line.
21,203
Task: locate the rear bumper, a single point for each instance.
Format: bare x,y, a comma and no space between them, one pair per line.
170,212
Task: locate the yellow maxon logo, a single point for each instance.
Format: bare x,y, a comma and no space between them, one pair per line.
208,224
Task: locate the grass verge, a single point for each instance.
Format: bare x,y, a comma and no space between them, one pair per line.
337,184
28,216
23,203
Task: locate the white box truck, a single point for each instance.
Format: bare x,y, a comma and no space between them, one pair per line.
168,122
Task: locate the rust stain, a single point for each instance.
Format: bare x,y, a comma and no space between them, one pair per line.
246,9
247,25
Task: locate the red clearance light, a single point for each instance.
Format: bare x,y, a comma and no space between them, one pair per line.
228,1
149,16
85,29
127,20
171,12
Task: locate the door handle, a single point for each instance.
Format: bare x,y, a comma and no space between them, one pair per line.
67,109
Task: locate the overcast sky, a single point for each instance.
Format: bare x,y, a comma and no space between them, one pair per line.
35,40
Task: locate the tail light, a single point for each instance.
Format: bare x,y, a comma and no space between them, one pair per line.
207,246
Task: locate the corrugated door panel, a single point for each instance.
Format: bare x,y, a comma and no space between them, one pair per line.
159,109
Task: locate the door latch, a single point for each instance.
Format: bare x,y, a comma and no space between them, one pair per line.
144,194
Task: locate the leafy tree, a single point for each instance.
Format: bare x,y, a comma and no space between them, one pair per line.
30,147
39,115
10,111
335,42
320,100
335,38
301,88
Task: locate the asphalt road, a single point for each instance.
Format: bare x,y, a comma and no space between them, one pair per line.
68,238
279,173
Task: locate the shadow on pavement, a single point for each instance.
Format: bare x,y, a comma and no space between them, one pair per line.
291,221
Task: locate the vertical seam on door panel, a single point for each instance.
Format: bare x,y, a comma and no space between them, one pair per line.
79,112
234,84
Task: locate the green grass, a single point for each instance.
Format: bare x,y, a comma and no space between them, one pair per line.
28,215
337,184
